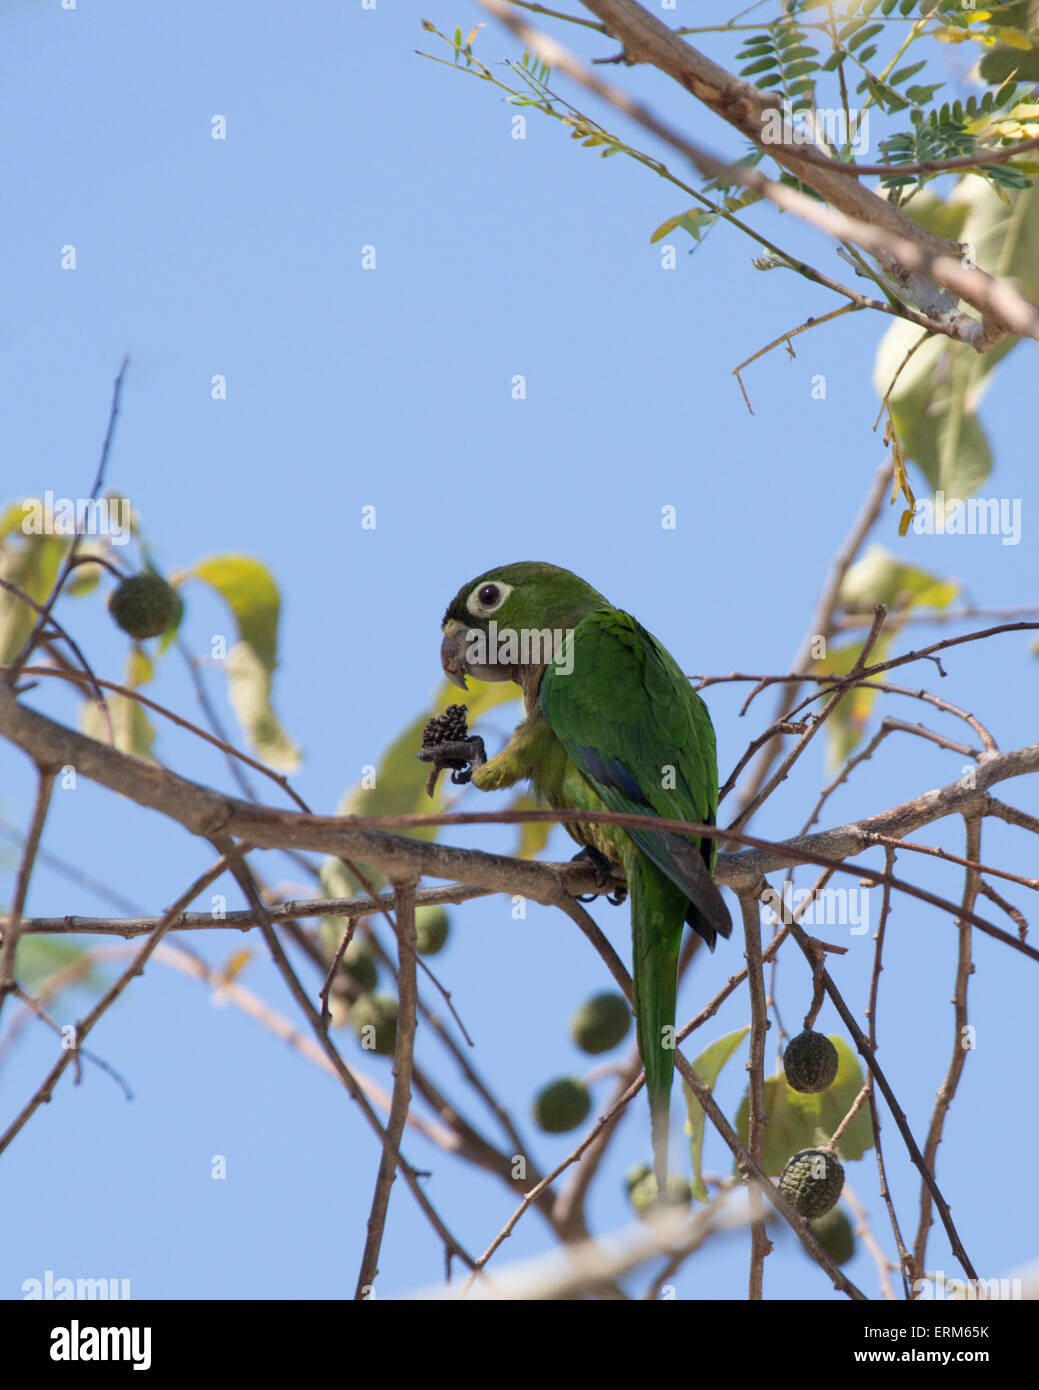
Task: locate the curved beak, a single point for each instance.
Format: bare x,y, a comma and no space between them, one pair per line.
452,652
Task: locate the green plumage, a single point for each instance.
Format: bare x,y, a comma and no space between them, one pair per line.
612,724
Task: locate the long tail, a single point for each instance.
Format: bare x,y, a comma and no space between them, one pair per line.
658,911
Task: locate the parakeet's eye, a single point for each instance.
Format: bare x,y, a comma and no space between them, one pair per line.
487,598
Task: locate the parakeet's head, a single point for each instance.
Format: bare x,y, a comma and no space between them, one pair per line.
511,619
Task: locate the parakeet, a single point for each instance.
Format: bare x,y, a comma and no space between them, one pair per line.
611,724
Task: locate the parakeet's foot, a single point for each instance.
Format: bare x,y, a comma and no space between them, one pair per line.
447,743
604,873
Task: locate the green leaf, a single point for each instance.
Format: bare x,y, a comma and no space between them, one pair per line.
848,718
876,91
870,31
84,579
40,958
695,222
920,95
533,834
938,394
878,577
904,73
249,590
132,730
31,562
708,1068
760,43
762,65
847,30
797,1121
250,695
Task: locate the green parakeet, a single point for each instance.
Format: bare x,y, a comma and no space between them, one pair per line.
611,724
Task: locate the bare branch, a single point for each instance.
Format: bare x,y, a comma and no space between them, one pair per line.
402,1066
12,930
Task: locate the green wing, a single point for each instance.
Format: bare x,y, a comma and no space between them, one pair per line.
641,736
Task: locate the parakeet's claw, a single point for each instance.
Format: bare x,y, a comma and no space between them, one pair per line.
474,757
604,876
461,756
447,743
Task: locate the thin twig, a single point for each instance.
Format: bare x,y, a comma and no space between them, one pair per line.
757,1118
12,930
70,557
403,1054
961,1043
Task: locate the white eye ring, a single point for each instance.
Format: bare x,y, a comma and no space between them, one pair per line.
475,605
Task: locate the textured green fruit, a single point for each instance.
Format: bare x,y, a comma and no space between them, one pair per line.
641,1183
810,1062
834,1233
812,1181
144,604
562,1105
601,1023
359,963
374,1020
432,925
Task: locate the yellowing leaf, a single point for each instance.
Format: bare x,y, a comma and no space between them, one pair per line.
708,1068
31,562
878,577
797,1121
250,695
1013,37
249,590
132,730
533,834
236,963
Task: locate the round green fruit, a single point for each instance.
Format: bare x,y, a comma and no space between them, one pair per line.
432,925
812,1181
834,1233
562,1105
374,1020
601,1023
144,605
359,963
810,1062
641,1183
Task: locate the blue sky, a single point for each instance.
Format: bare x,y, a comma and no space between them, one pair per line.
392,387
